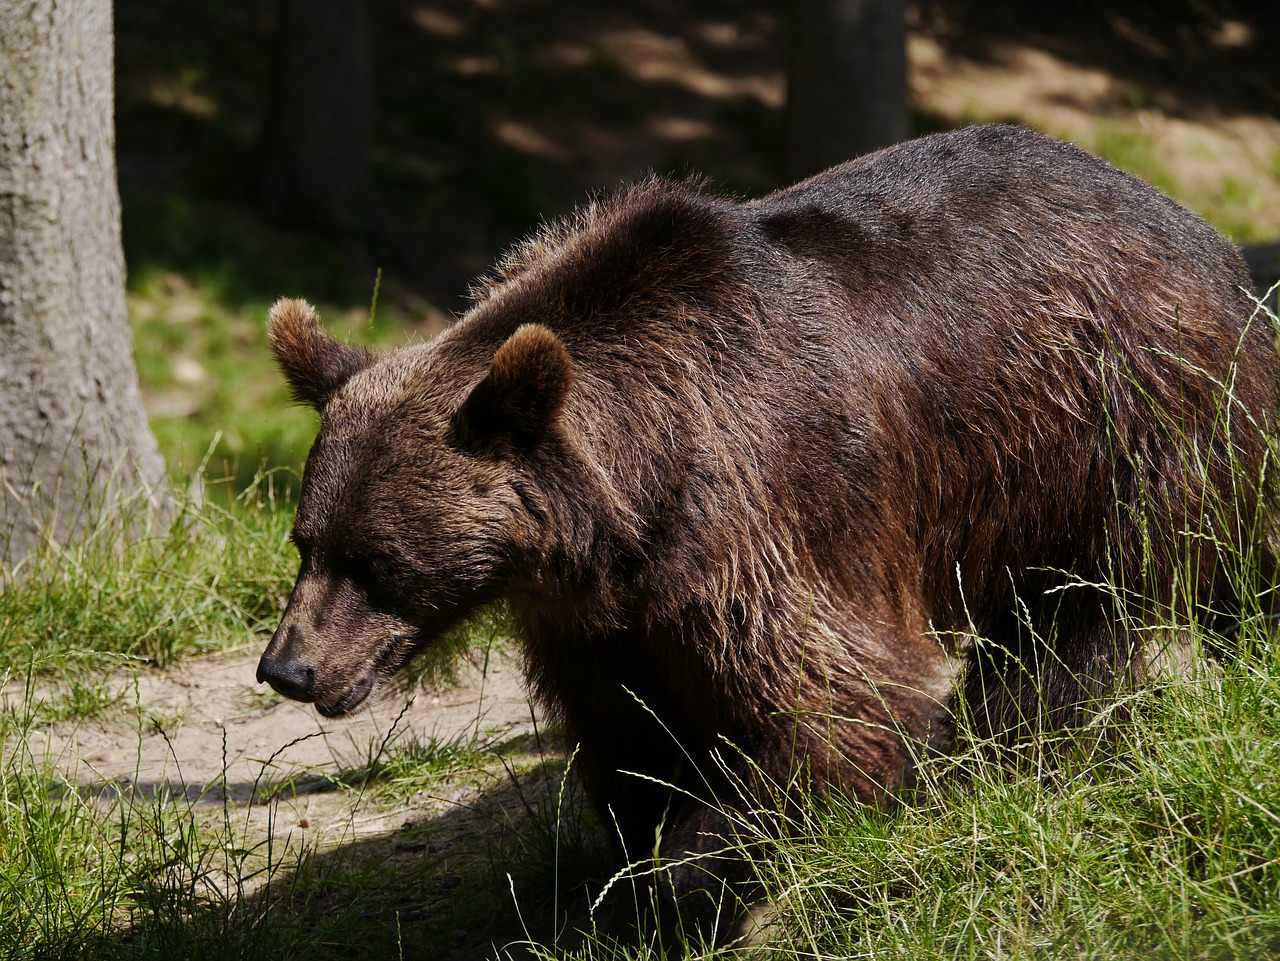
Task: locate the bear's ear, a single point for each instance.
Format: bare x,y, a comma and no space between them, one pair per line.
523,393
314,363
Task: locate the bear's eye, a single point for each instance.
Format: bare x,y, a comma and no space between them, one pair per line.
377,576
371,570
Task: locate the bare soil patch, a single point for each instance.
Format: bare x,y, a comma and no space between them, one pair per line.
207,732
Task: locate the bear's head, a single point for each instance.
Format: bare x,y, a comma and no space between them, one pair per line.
415,507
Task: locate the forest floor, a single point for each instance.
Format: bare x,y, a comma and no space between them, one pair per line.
206,731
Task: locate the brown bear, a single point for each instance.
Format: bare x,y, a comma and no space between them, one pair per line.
772,490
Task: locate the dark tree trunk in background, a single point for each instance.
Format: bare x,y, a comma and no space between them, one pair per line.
1264,265
312,164
75,446
846,82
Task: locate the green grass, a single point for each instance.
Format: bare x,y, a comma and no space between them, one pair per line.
1164,844
211,383
219,574
1232,206
97,870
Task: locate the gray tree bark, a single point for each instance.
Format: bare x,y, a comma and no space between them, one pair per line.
75,446
846,82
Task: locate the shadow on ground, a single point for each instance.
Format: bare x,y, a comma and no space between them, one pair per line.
513,864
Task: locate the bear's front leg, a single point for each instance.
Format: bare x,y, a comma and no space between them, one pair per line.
707,882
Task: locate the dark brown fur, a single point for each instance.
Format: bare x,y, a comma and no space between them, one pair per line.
763,471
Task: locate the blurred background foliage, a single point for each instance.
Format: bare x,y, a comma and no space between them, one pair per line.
482,118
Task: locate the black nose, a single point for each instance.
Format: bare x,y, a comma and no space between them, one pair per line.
292,678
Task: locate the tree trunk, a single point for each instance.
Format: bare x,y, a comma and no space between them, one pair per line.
846,82
75,446
1264,265
312,164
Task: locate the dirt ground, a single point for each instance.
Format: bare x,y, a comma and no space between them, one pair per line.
208,732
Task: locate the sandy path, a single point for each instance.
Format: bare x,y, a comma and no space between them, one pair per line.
208,732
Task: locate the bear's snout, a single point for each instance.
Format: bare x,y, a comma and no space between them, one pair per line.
291,677
330,645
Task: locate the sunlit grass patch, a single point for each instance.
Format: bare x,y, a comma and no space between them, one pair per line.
212,579
1166,843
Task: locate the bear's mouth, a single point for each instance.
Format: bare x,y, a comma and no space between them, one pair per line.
355,695
398,652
